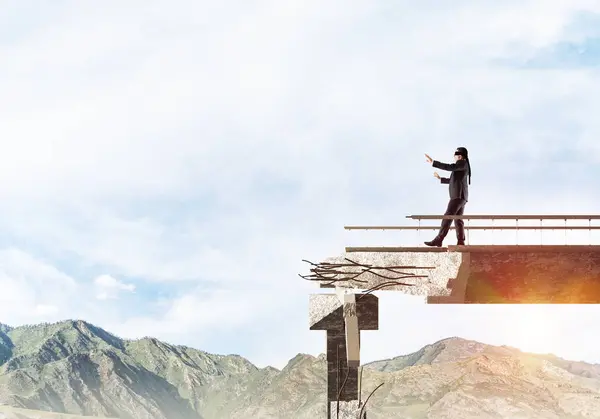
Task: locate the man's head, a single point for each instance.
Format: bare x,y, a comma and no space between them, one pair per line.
461,153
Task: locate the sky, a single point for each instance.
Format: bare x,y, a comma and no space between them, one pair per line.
166,166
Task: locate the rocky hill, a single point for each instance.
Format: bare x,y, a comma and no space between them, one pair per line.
73,367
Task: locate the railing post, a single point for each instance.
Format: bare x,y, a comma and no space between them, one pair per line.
468,230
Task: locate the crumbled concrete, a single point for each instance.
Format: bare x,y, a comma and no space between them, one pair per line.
445,264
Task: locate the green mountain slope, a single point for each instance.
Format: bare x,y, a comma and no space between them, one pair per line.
75,367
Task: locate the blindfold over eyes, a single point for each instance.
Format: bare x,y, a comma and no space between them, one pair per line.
461,151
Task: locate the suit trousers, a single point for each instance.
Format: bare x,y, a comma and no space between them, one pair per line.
455,207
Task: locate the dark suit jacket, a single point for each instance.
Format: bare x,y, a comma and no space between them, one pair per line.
458,184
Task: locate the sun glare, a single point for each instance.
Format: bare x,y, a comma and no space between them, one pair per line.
531,329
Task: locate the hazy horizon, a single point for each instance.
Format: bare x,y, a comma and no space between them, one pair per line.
299,353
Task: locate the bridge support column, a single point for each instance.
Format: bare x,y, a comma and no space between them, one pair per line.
343,317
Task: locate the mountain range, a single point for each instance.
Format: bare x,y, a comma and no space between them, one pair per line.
75,368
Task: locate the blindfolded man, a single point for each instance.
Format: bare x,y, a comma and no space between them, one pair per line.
459,193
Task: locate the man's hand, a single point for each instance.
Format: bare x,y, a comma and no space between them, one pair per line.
429,159
435,174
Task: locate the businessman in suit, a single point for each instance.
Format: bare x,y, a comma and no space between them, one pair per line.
459,193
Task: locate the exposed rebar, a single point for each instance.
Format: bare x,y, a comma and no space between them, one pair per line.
332,272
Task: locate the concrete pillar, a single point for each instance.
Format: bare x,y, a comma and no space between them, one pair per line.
326,312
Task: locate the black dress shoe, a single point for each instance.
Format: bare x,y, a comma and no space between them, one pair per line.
460,243
434,243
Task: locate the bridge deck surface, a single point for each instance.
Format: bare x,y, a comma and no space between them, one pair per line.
478,248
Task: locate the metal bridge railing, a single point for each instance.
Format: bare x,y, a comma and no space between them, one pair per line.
493,227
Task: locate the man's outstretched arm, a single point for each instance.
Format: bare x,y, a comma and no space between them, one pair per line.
452,167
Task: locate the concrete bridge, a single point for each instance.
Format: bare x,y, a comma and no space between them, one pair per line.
470,274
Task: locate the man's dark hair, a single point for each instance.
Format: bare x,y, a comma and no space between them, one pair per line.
462,151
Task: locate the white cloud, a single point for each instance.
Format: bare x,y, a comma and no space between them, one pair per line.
32,289
108,287
143,120
200,311
45,310
224,142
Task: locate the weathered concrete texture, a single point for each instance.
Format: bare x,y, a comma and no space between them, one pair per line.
446,266
326,312
534,277
321,306
348,410
342,379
